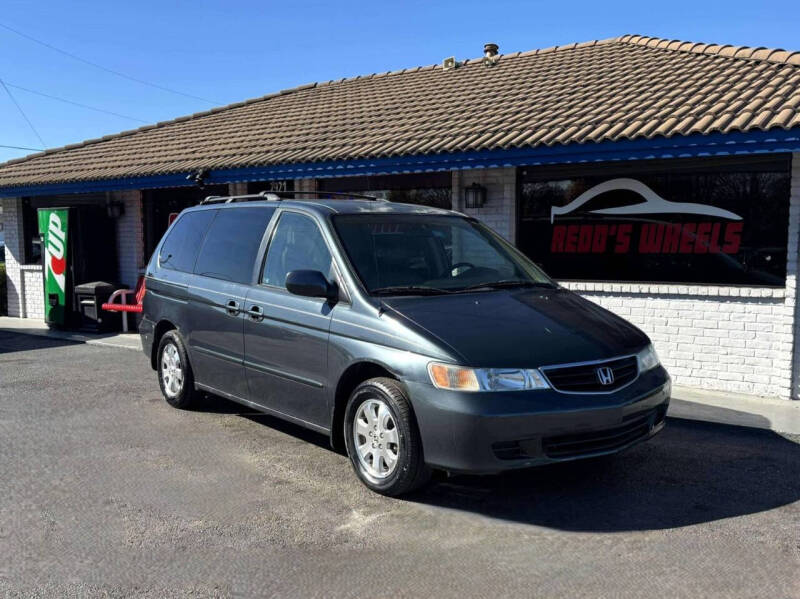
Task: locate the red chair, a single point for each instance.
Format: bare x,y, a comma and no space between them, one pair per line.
124,306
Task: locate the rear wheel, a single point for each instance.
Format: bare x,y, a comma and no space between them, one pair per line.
174,371
382,438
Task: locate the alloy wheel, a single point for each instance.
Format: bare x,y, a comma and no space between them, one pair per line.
376,438
171,370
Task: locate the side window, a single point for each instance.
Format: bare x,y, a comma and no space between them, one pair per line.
180,247
296,245
232,242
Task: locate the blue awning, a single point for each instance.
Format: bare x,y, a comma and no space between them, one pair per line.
730,144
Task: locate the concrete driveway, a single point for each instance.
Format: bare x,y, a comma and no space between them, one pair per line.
107,491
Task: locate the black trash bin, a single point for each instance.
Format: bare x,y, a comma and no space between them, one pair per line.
89,297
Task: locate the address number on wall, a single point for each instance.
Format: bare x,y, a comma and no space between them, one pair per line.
278,186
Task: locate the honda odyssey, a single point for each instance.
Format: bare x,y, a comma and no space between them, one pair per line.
415,338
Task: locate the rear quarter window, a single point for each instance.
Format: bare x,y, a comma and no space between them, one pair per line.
232,242
179,250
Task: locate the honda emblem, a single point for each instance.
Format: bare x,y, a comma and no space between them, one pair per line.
605,375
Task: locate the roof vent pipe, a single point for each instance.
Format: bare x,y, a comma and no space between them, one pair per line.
490,55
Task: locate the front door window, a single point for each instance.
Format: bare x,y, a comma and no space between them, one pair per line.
296,245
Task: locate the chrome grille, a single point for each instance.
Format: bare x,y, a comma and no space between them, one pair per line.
593,377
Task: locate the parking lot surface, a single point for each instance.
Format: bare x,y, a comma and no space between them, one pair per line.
108,491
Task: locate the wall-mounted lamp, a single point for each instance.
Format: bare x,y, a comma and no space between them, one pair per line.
115,209
198,177
474,196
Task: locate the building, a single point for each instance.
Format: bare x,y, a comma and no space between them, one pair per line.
659,178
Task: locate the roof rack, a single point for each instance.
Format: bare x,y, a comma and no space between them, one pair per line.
277,196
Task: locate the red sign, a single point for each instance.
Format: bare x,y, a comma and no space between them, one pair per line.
648,238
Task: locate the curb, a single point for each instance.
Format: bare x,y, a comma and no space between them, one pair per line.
131,342
778,415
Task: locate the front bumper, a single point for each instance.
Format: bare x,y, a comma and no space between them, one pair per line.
491,432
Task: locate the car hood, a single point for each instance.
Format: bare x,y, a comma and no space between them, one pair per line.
521,328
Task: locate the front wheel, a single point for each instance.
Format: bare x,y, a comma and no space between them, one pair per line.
382,439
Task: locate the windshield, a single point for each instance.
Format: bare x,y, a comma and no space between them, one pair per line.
423,254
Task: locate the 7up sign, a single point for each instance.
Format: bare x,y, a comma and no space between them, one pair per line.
53,228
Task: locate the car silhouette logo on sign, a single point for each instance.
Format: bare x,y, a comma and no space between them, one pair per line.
652,204
605,375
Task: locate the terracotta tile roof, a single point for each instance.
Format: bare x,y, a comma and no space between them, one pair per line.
623,88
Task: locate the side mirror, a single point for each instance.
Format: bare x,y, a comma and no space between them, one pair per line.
311,283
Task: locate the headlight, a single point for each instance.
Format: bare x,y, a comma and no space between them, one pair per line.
647,359
458,378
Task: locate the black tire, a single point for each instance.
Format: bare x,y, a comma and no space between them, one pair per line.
410,471
187,395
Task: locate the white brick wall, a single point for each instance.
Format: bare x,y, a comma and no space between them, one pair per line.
499,211
130,236
34,291
12,218
23,281
713,341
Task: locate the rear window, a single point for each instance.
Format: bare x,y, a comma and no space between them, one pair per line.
232,242
180,247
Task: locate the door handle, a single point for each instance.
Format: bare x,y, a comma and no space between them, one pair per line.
256,313
232,308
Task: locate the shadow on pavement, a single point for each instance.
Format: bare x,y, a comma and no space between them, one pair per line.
219,405
11,341
692,472
693,410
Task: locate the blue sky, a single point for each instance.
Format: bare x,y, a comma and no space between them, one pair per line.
230,51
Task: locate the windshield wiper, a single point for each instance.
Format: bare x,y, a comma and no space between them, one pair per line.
409,290
506,284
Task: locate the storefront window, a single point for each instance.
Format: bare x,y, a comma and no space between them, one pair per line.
426,189
710,221
32,243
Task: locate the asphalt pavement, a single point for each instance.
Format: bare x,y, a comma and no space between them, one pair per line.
108,491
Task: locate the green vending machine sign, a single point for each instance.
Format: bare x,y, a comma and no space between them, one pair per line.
53,228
